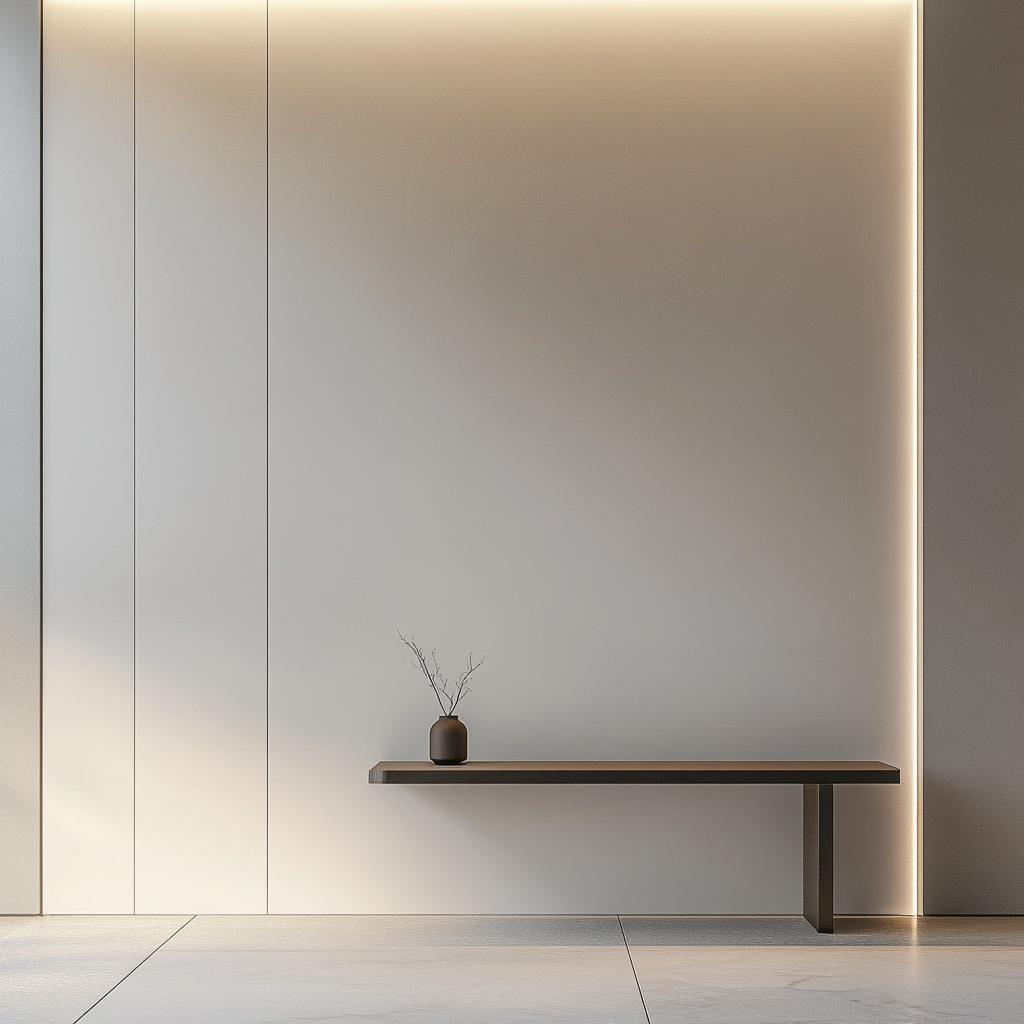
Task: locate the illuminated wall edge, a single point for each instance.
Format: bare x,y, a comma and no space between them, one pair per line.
918,434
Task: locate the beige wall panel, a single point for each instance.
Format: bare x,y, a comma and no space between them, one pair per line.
88,537
20,396
201,457
590,351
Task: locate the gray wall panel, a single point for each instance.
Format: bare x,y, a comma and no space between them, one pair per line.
20,493
974,457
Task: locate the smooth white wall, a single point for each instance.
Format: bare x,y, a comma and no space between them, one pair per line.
88,710
200,444
589,350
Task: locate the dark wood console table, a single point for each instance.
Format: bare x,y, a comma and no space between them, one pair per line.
816,777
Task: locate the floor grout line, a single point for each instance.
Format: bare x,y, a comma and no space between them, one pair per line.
135,968
625,942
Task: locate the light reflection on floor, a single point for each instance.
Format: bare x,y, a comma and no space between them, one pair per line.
492,970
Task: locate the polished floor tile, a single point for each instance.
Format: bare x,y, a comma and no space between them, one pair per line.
506,970
52,969
882,984
367,931
446,984
9,925
850,931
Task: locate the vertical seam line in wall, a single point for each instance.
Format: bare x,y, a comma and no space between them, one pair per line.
267,452
41,443
134,454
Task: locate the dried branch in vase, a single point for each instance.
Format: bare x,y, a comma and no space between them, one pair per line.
448,694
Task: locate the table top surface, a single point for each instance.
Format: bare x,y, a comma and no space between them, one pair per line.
633,772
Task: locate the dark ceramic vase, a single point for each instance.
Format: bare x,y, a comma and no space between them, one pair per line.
448,740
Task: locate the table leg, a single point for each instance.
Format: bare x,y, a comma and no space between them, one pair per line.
818,856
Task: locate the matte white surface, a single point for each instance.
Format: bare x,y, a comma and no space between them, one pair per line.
201,457
591,352
88,528
20,397
55,968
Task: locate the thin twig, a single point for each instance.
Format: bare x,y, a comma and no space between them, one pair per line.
462,690
425,668
429,666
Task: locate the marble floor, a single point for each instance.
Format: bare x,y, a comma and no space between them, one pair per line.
493,970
